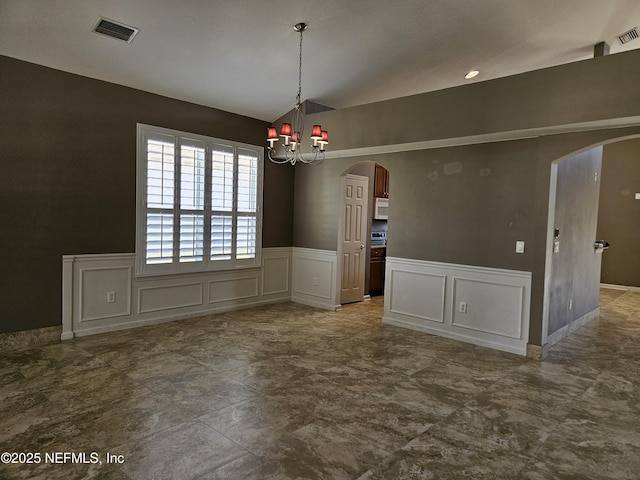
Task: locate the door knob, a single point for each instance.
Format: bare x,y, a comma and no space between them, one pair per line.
361,247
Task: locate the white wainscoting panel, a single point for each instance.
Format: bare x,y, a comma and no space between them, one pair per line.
314,277
418,295
167,297
488,304
91,282
225,289
95,286
426,296
276,273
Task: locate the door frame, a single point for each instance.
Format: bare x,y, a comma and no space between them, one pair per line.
340,265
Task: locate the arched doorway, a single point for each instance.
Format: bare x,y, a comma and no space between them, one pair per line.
372,245
573,261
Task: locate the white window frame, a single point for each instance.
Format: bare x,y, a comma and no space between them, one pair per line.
143,268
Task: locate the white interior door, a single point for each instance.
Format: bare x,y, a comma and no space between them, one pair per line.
353,231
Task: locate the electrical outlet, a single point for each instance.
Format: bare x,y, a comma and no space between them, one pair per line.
519,246
462,307
571,304
111,297
315,281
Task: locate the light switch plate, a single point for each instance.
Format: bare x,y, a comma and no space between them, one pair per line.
519,246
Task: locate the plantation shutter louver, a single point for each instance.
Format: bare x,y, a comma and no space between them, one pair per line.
192,207
247,203
160,199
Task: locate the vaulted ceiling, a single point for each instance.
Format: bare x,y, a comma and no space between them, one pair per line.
242,55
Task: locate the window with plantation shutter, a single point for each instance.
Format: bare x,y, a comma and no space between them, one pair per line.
198,203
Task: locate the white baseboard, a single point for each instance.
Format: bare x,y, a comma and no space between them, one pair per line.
619,287
567,330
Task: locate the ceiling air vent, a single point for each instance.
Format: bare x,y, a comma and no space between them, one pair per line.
116,30
626,37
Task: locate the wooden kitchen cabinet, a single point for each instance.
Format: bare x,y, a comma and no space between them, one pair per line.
376,270
381,182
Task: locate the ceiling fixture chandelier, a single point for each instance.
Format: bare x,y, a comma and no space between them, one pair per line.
291,133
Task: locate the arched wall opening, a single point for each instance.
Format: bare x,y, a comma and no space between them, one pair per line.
573,264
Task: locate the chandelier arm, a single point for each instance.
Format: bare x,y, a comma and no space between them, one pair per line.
318,158
295,156
275,159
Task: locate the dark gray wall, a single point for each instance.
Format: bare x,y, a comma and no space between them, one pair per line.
575,269
277,216
316,203
619,217
68,185
591,90
464,205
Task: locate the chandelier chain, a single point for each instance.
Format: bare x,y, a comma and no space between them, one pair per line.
299,72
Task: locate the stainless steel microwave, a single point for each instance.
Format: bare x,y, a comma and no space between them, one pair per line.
381,210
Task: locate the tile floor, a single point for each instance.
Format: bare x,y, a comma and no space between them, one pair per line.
290,392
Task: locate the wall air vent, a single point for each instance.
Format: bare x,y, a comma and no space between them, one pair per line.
626,37
116,30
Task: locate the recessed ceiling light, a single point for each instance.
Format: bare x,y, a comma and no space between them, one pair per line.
471,74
